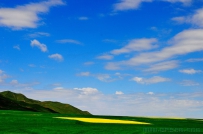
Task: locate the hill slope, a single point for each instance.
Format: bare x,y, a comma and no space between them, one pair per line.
16,101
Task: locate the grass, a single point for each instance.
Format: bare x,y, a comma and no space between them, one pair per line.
24,122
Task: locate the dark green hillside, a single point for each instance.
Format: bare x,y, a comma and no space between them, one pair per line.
56,107
9,104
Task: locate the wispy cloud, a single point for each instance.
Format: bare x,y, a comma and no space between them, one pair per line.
195,60
17,47
128,4
153,80
136,45
3,76
180,45
83,18
189,83
190,71
184,2
88,63
84,74
25,16
195,19
32,65
36,43
162,66
105,57
15,83
123,5
69,41
137,104
103,77
57,57
38,34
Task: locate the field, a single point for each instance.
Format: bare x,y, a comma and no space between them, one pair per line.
23,122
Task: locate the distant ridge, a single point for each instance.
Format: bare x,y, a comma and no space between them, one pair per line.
17,101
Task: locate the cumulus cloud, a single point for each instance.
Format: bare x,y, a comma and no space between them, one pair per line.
25,16
153,80
119,93
57,57
136,45
190,71
69,41
36,43
185,42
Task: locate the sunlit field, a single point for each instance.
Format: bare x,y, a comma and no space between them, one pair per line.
100,120
23,122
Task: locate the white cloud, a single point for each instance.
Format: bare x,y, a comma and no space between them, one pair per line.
195,60
150,93
128,4
15,83
136,45
195,19
83,18
153,80
32,65
1,72
190,71
57,57
185,2
123,5
38,34
36,43
187,105
105,57
58,88
68,41
185,42
87,90
179,20
16,47
84,74
162,66
119,93
104,77
25,16
88,63
189,83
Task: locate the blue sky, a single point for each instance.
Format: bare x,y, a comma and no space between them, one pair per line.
119,57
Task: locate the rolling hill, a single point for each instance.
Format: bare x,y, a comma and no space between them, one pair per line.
17,101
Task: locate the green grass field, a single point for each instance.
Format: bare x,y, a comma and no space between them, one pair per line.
23,122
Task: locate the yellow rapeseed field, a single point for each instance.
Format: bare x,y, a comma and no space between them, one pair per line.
100,120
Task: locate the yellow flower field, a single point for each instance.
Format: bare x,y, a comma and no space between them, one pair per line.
100,120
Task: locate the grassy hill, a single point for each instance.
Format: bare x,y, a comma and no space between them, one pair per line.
16,101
